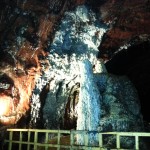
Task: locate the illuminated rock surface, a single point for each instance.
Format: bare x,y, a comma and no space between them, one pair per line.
42,44
74,42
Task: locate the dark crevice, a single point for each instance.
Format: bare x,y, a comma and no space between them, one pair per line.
70,121
135,63
59,90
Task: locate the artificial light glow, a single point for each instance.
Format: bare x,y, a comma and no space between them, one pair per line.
4,106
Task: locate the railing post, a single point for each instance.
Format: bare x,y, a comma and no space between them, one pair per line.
71,139
100,140
29,134
58,140
86,139
136,142
20,139
118,141
46,141
35,140
10,140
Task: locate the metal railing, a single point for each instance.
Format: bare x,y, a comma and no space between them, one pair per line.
53,139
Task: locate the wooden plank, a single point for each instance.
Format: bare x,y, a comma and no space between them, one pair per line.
100,140
58,140
118,141
86,139
46,140
20,139
127,133
22,142
35,140
71,139
29,135
39,130
136,142
10,140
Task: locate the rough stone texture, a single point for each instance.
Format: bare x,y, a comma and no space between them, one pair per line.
22,54
27,30
88,107
120,105
128,21
74,42
126,46
41,45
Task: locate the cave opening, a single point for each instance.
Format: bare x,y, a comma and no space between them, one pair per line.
134,62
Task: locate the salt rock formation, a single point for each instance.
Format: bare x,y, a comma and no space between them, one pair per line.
52,70
111,98
125,47
44,44
74,42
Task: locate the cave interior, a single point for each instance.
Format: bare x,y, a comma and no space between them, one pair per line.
134,62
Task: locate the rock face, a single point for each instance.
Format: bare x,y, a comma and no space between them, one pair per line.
42,45
88,108
74,42
53,55
128,24
21,57
121,98
127,43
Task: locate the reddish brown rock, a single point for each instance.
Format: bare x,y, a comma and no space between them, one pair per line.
128,20
25,29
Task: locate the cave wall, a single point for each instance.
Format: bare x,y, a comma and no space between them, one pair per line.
27,29
134,63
